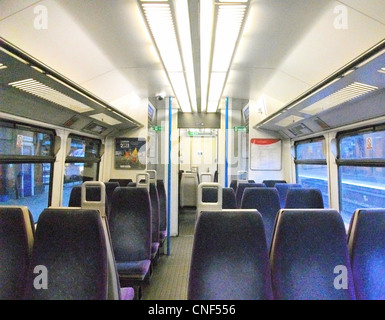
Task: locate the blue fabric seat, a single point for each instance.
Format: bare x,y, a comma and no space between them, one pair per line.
282,189
266,201
130,228
271,183
300,198
16,241
228,199
162,210
241,187
367,253
233,185
210,194
122,182
110,187
92,194
309,247
155,222
230,261
71,245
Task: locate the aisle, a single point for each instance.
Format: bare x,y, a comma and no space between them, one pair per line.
170,278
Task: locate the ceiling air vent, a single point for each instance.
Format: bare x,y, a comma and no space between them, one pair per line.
343,95
300,130
40,90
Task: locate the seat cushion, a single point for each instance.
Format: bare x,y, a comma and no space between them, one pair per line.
127,293
133,269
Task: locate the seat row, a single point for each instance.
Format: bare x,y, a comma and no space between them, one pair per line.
310,258
265,200
69,256
137,220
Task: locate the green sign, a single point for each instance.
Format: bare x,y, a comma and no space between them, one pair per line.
241,129
156,128
193,133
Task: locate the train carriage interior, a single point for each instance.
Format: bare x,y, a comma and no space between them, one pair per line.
192,150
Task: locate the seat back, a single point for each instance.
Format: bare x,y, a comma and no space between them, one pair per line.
233,185
241,187
69,257
210,194
228,199
298,198
92,195
229,261
110,187
206,177
130,224
209,197
367,253
266,201
162,205
282,189
122,182
155,226
188,189
309,256
271,183
113,279
16,241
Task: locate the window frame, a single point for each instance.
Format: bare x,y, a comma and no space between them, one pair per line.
29,159
376,163
84,160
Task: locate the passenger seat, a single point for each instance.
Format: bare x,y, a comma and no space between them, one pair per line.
16,241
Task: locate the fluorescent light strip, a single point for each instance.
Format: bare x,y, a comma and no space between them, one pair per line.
382,70
159,18
230,19
206,34
40,90
183,20
160,21
346,94
2,66
178,82
229,23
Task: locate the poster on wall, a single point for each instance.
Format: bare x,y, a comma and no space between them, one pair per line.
130,153
265,154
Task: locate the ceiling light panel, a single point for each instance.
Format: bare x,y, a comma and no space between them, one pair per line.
2,66
350,92
160,19
229,23
382,70
42,91
230,18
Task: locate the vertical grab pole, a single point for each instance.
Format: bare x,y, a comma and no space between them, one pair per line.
169,176
226,142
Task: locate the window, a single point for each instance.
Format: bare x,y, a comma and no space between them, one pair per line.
82,163
361,167
311,166
26,164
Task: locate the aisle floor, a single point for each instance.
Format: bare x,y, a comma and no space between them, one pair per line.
170,277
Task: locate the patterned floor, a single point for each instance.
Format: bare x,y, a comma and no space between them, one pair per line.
170,278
